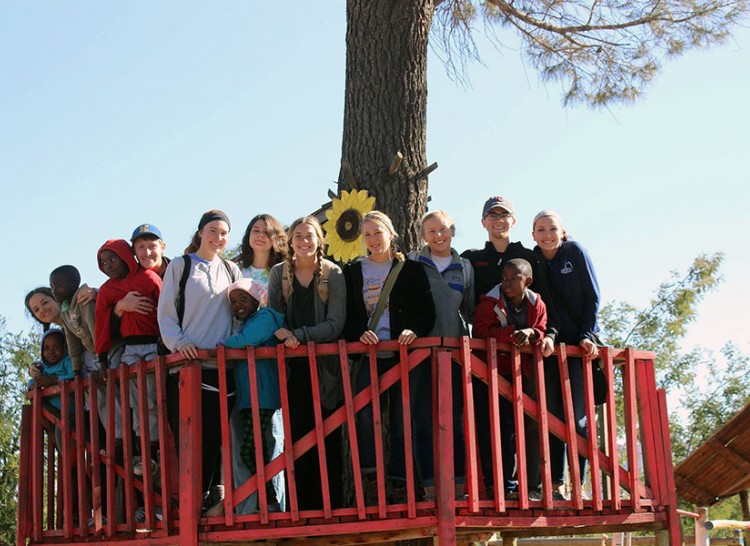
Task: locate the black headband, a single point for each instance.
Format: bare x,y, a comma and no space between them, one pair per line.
212,215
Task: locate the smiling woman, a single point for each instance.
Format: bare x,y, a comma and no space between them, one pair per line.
43,307
194,313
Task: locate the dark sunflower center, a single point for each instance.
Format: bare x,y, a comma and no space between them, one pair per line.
347,226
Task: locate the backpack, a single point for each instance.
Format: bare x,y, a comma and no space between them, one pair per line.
286,282
183,282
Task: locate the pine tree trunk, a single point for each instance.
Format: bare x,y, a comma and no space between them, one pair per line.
386,105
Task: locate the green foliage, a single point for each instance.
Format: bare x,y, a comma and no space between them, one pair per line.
601,51
708,390
661,327
17,351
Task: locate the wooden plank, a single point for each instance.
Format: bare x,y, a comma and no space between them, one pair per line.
593,443
673,520
570,425
631,432
23,518
319,436
494,409
111,455
408,437
291,476
351,427
165,435
543,429
191,479
470,432
646,400
611,417
446,488
148,475
127,446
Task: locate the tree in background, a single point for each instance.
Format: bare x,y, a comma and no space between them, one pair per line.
17,352
599,51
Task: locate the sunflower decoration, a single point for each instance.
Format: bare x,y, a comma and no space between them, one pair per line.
344,224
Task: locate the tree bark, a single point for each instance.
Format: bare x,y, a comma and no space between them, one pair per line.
385,106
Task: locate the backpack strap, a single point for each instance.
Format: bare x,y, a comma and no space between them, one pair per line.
181,293
325,272
230,271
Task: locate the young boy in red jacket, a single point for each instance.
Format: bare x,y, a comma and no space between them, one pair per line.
139,331
512,313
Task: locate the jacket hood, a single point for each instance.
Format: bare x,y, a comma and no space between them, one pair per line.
50,332
123,249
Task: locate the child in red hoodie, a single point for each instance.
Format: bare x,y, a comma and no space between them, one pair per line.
511,313
139,331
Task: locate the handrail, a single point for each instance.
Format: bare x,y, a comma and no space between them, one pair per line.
172,498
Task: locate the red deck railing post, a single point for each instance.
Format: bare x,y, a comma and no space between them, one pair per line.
22,515
673,518
446,486
226,433
165,441
319,436
631,432
470,434
191,479
611,417
494,409
593,443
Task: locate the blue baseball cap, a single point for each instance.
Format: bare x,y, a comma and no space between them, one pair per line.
146,230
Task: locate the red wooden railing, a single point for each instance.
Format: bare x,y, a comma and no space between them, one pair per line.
629,489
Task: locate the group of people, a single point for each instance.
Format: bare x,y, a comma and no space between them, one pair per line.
282,289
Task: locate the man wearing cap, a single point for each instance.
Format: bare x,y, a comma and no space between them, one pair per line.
148,248
498,219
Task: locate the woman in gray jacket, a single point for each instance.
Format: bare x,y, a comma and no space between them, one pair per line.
452,285
311,292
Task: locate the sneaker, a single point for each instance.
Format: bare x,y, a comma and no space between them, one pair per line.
535,495
140,514
138,467
557,496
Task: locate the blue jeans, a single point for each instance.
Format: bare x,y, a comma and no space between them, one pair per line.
555,406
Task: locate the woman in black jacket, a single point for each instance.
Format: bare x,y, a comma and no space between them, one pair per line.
409,313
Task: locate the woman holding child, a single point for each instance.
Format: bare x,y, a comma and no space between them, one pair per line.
574,297
194,313
407,313
310,291
451,281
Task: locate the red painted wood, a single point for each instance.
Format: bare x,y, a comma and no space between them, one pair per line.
67,458
631,432
408,442
23,517
319,436
647,413
127,446
148,475
374,390
109,460
611,416
352,430
472,477
593,442
165,444
497,453
673,519
226,436
444,472
51,473
94,457
571,437
543,427
191,488
291,478
520,428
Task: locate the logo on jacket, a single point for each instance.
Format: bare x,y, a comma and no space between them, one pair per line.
568,268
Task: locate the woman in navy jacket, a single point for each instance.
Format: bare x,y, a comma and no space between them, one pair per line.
574,296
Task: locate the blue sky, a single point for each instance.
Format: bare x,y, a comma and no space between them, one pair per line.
112,115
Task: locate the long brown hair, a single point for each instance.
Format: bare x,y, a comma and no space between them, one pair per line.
276,235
